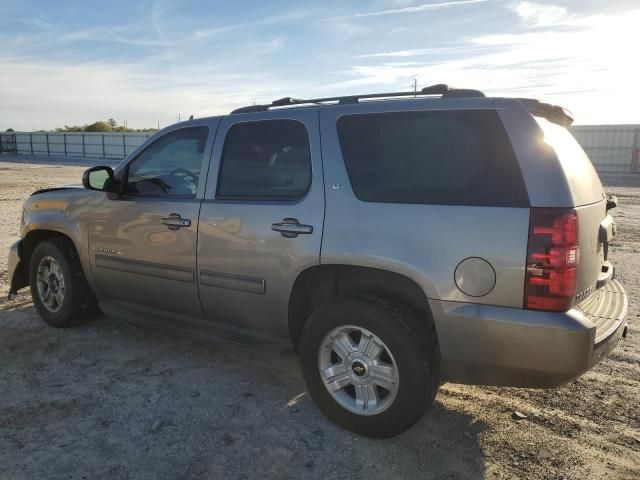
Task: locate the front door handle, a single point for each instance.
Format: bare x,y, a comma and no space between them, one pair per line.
175,222
291,228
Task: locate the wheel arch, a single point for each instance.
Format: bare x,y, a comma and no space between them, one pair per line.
320,283
34,237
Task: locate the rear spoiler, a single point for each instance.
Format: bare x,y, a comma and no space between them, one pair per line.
553,113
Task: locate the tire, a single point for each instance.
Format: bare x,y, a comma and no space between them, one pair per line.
77,302
409,345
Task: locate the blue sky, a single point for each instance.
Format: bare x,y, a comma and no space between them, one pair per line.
68,62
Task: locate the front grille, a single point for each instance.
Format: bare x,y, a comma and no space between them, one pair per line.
606,308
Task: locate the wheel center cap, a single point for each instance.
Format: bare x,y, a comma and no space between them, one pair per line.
53,283
359,368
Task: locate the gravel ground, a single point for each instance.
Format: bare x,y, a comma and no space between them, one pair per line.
111,400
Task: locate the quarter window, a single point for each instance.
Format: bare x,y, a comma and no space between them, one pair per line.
444,157
170,166
265,160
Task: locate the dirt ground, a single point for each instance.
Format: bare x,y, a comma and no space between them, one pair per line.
112,400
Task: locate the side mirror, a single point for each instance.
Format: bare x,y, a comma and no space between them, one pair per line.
98,178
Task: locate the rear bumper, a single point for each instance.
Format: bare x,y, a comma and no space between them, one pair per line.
17,272
488,345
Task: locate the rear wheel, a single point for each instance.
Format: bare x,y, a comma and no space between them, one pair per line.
59,289
370,365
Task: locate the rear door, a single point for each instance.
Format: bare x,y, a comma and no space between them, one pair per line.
262,217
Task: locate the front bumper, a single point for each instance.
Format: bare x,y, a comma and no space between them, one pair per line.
18,277
488,345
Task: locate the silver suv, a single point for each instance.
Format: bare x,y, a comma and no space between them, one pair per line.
398,241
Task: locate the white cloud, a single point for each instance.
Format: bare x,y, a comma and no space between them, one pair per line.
540,15
585,69
419,8
399,30
415,52
342,28
581,62
48,95
400,53
117,34
276,19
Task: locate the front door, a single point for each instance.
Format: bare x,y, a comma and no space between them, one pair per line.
261,219
143,244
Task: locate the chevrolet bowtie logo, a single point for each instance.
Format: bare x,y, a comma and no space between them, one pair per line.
358,368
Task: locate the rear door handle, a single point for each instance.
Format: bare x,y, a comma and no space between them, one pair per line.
291,228
175,222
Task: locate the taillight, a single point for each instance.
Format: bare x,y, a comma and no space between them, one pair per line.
552,259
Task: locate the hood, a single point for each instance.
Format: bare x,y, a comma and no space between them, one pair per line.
55,189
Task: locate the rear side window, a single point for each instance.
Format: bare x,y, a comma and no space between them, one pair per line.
456,157
265,160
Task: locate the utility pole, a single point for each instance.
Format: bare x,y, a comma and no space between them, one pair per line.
415,86
178,118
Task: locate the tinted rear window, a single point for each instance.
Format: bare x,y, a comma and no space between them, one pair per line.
458,157
268,159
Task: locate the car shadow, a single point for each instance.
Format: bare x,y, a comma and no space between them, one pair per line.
110,399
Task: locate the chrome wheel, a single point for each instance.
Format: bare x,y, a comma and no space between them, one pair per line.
358,370
50,283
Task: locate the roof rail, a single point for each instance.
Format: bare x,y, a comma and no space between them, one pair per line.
440,89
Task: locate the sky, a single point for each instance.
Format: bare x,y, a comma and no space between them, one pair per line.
146,62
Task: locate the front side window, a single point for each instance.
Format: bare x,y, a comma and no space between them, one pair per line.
265,160
170,166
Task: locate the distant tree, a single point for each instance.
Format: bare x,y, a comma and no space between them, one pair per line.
112,122
98,127
103,127
10,130
73,128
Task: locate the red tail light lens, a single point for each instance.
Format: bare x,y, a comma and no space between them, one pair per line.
552,259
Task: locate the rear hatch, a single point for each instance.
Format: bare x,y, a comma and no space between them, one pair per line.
596,228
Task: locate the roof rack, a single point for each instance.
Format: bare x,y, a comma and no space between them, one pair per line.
440,89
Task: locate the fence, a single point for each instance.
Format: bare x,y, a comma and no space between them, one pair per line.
612,148
8,143
74,144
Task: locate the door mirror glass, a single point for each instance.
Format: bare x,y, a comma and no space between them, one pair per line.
98,178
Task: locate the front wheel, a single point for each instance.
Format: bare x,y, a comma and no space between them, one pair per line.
59,289
371,366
